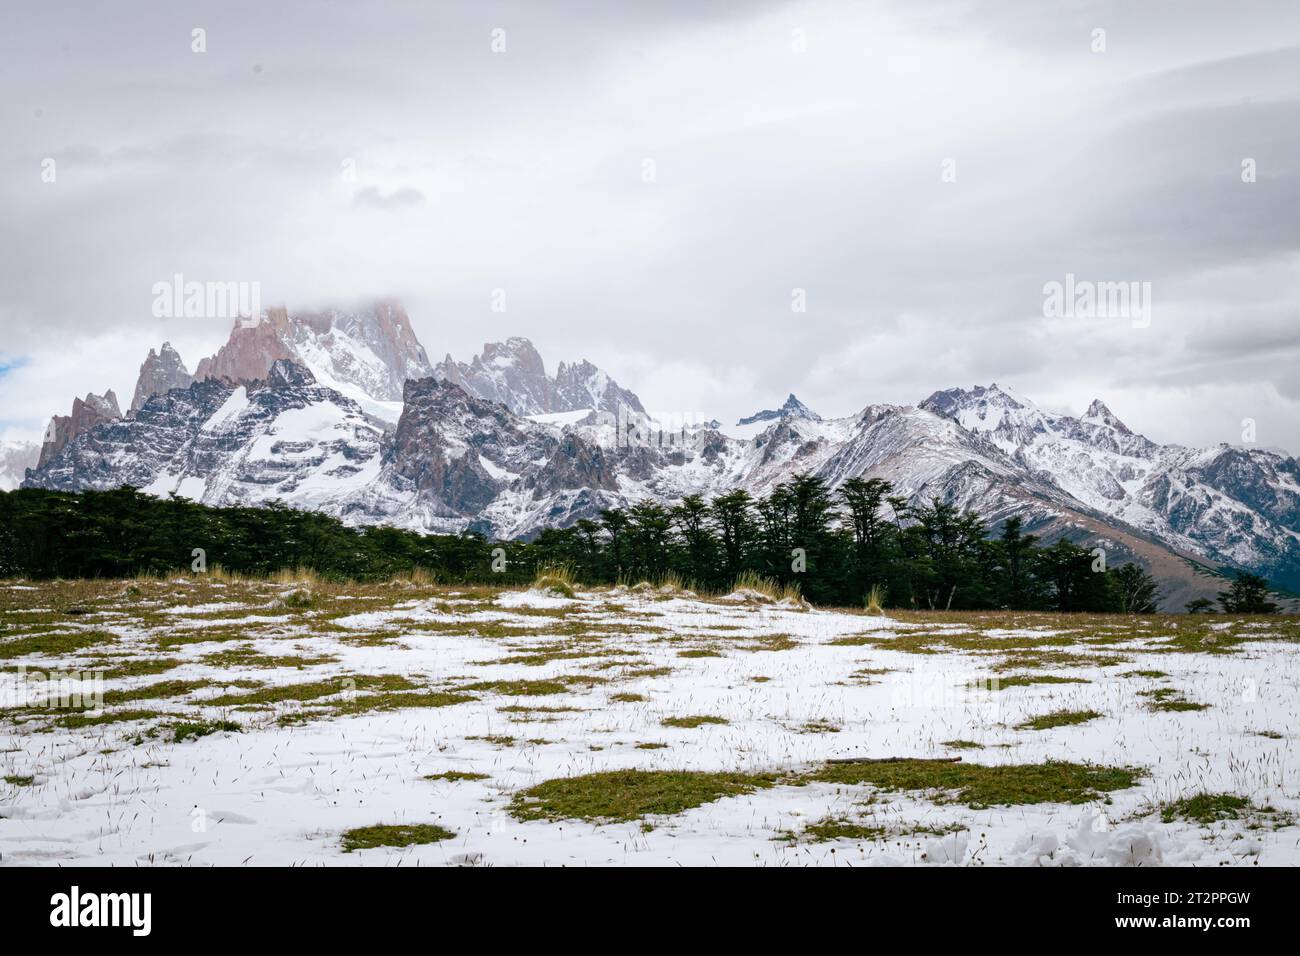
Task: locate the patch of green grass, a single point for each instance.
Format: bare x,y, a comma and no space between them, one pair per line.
1208,808
1176,706
690,723
523,711
963,745
629,698
166,688
630,794
769,642
1169,700
249,657
78,721
501,740
1198,640
563,652
698,652
1057,659
455,775
315,689
1059,718
1024,680
636,673
818,727
52,645
215,634
194,729
651,746
520,688
118,667
16,781
412,834
1152,675
979,786
1161,693
931,829
834,828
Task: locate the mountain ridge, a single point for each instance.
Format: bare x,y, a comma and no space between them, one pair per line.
479,446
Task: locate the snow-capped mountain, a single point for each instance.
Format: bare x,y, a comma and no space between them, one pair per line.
793,408
367,354
283,437
1229,504
513,373
497,445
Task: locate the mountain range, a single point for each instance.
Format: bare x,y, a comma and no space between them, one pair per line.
341,411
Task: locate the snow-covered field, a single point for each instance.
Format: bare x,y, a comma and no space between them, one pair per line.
298,724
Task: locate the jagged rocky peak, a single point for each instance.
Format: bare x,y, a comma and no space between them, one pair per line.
509,372
367,353
513,373
1099,414
86,414
951,402
105,404
793,408
286,374
581,385
996,410
160,372
1017,426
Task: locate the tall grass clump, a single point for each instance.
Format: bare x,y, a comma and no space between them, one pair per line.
874,601
418,576
557,578
299,575
768,587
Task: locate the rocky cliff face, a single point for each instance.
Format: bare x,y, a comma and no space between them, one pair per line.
160,372
253,347
86,414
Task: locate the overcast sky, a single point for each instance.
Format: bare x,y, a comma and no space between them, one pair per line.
793,146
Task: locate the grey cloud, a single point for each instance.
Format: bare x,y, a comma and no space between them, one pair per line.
397,199
820,171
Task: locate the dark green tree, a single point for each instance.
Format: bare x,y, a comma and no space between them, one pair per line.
1248,594
1136,591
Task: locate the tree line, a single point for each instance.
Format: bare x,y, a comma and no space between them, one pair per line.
837,546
